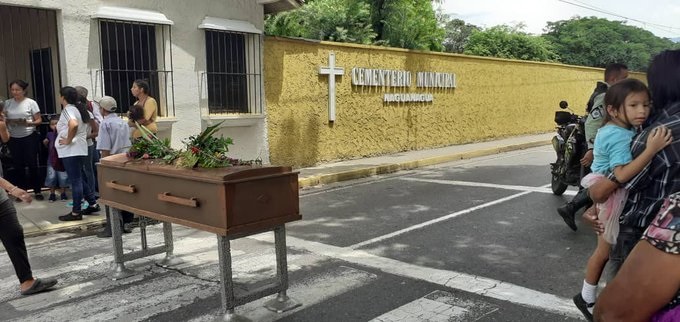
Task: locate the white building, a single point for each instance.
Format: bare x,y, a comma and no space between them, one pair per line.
203,59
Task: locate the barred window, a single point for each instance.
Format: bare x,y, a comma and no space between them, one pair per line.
133,50
233,70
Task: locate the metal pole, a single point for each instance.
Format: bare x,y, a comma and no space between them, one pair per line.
170,259
119,270
227,284
282,302
142,231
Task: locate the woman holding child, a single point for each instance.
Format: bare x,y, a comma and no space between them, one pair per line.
647,287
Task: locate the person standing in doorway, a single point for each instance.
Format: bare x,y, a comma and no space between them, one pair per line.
23,117
140,89
596,114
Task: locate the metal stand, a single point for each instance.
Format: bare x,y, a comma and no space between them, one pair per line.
170,258
118,267
119,271
280,304
229,301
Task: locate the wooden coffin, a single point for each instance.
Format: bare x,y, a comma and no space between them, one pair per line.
225,201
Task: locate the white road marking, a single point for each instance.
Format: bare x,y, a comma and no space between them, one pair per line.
136,302
542,189
436,220
438,306
457,280
311,290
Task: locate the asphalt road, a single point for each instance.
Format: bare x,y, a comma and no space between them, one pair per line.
475,240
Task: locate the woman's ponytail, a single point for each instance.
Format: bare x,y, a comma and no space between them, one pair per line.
81,104
71,96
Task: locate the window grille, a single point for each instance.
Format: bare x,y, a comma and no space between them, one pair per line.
133,50
234,72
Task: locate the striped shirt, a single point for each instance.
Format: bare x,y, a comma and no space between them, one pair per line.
659,178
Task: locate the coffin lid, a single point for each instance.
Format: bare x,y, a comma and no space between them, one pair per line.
217,175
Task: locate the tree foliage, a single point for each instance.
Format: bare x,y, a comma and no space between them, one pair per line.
415,24
407,24
334,20
398,23
597,42
457,34
509,42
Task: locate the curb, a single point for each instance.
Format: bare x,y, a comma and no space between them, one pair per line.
65,227
327,178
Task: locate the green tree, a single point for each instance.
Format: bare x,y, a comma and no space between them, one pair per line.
457,34
597,42
509,42
334,20
407,24
399,23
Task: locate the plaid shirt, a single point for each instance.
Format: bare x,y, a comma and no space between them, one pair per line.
659,178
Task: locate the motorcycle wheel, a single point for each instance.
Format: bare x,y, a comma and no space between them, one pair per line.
558,187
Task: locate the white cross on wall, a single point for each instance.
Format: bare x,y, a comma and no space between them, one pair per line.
331,71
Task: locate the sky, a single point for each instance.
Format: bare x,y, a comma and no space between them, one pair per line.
658,16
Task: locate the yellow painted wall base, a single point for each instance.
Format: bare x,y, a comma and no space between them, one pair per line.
494,98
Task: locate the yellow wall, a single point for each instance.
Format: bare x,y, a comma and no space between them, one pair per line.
494,98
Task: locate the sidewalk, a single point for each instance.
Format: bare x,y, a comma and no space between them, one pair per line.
40,217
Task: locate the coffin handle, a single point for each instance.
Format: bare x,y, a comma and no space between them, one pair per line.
189,202
121,187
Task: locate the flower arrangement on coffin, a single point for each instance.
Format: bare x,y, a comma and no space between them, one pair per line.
201,151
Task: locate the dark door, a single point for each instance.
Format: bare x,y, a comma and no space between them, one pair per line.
43,85
43,94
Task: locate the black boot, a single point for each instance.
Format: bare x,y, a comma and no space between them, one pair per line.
568,210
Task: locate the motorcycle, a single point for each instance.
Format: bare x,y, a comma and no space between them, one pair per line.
570,145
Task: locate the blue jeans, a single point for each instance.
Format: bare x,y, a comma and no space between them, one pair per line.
95,160
88,170
79,187
56,179
627,239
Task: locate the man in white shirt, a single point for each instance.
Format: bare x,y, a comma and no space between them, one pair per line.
114,138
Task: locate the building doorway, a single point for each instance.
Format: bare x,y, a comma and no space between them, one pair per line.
30,52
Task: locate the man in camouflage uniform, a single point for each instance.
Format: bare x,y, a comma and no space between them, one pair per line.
596,113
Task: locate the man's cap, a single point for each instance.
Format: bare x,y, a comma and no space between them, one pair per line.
108,103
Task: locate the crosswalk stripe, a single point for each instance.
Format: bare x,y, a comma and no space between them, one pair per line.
438,306
138,301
